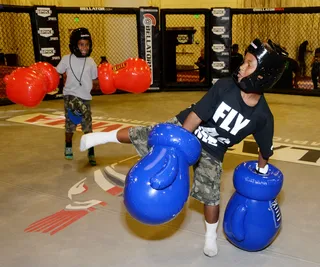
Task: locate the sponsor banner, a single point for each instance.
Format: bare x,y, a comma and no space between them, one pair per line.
46,35
149,40
185,38
295,151
220,42
95,9
58,121
268,9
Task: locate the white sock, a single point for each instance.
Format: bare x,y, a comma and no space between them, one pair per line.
210,246
94,139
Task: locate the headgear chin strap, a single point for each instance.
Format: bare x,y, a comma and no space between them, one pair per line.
270,66
76,35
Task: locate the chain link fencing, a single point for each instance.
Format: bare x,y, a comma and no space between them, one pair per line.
16,45
114,36
185,41
184,50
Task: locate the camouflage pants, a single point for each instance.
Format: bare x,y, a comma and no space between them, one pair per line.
82,106
207,171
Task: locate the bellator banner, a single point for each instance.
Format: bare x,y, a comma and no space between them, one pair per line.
220,42
46,35
149,39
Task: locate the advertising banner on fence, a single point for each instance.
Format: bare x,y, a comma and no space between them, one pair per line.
46,31
220,42
149,40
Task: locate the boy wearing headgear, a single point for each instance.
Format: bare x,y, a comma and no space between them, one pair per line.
232,109
80,70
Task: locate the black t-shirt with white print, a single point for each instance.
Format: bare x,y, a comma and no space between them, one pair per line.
227,120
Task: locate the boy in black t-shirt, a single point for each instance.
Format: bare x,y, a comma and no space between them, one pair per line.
231,110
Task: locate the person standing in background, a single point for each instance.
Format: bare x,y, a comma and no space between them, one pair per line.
236,58
315,68
81,71
302,57
201,63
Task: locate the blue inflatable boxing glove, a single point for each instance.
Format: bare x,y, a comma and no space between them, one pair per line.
252,218
157,186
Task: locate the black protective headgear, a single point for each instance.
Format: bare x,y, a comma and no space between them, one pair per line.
76,35
270,66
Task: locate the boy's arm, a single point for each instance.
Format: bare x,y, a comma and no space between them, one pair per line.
262,166
94,74
192,122
264,139
95,82
261,161
62,66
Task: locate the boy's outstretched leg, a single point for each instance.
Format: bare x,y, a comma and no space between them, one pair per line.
93,139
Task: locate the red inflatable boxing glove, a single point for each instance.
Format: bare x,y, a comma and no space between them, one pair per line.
51,75
133,75
105,76
26,87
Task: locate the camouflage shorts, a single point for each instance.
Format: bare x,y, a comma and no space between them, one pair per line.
207,171
139,136
83,106
206,183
